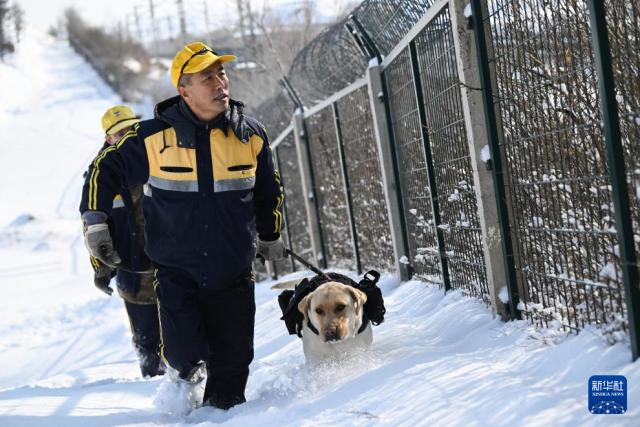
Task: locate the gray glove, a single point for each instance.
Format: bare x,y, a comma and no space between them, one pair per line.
98,241
271,250
102,278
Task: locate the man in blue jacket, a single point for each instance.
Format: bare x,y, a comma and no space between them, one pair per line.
133,278
211,186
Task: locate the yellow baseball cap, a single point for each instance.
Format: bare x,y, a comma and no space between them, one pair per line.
117,118
194,58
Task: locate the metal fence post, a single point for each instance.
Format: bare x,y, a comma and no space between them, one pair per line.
347,190
377,101
306,172
431,173
499,180
478,141
617,174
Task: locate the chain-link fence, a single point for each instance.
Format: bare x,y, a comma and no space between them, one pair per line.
395,171
330,190
556,163
371,222
625,45
442,100
416,193
295,215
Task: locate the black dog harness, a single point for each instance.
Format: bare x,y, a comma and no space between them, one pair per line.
373,310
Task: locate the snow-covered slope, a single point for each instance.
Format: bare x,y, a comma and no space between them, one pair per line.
65,353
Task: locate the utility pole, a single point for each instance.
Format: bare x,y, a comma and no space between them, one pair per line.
127,26
239,3
18,20
120,38
137,18
169,28
252,27
306,12
206,17
154,27
120,32
4,13
183,24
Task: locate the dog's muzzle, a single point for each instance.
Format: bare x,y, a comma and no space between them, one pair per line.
331,336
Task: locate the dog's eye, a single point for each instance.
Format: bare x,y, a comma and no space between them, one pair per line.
319,311
340,307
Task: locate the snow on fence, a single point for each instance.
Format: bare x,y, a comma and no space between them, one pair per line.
483,170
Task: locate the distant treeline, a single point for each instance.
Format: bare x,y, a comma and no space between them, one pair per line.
11,26
120,62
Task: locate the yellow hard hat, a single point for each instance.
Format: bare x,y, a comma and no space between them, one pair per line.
194,58
117,118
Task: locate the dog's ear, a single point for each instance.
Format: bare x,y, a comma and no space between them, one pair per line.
303,306
359,297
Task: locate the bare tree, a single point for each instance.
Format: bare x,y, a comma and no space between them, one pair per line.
121,63
5,44
270,41
17,15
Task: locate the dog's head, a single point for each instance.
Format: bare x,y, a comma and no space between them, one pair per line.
335,310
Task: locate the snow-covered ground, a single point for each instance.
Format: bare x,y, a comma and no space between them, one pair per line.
65,352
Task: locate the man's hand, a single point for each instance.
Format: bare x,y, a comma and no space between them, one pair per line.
99,243
102,277
271,250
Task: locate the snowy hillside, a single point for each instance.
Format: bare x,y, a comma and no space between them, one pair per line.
65,352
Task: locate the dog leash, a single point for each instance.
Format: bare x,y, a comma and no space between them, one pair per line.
103,249
295,256
118,267
136,271
307,264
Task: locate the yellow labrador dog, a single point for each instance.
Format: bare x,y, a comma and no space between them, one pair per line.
333,321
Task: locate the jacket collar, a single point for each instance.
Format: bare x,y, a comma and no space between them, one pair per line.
175,112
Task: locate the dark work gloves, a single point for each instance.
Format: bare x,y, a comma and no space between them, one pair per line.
102,277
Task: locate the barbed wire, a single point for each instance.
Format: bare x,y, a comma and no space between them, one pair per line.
333,60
